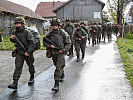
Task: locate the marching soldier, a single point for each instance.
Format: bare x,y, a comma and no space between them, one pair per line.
99,29
57,43
109,33
93,31
85,29
116,29
79,38
69,29
27,40
103,31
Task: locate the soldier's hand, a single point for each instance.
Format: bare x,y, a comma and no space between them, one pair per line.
80,39
26,54
12,37
52,46
83,37
60,51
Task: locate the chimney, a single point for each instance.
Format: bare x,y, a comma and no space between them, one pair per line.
53,3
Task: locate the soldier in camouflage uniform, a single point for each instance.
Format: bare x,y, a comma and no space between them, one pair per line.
99,29
27,40
79,38
68,27
61,38
93,32
109,32
103,31
116,29
85,29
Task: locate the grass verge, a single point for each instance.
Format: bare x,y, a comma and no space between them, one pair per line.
125,46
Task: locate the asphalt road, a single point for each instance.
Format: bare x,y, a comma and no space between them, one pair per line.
100,76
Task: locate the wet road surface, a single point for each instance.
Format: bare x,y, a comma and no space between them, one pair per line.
100,76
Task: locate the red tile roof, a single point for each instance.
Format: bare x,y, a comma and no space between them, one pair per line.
14,8
45,9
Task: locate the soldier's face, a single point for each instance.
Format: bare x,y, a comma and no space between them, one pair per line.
82,25
78,27
18,24
55,27
68,22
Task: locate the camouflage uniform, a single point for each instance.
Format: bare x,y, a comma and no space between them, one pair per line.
27,40
69,29
116,29
103,32
99,29
61,38
79,44
93,31
109,33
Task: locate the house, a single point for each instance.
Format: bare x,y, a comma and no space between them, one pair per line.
81,10
45,10
10,10
129,18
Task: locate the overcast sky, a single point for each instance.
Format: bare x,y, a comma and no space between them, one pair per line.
32,4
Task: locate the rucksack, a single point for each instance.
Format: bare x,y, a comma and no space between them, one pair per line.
36,36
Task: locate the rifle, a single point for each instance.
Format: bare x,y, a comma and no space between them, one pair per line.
58,47
20,43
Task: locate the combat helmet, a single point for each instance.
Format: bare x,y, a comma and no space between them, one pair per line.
83,23
55,21
19,20
68,20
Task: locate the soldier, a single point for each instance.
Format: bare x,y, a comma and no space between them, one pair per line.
79,38
68,27
103,31
85,29
93,32
109,32
116,29
99,33
57,43
27,40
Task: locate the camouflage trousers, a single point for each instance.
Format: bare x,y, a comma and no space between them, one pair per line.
80,46
59,62
19,61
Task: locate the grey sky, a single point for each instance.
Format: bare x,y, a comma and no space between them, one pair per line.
32,4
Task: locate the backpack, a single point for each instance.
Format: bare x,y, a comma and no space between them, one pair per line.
36,36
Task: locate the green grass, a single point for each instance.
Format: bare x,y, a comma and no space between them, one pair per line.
125,46
10,46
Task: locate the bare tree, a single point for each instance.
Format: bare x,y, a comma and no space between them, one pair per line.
117,8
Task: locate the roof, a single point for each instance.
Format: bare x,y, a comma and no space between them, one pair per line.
7,6
55,10
45,9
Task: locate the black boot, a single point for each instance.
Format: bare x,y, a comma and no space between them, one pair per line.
31,80
62,77
83,55
14,84
56,86
78,59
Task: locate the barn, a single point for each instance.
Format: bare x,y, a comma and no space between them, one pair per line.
10,10
81,10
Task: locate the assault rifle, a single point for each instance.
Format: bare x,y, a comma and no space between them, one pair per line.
47,40
20,43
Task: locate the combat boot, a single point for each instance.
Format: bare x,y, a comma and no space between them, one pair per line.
62,77
14,84
31,80
83,55
56,86
78,59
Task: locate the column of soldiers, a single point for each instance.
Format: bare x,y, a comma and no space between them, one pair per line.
58,42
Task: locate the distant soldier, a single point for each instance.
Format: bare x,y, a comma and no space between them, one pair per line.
68,27
93,31
99,30
79,38
27,40
103,31
109,33
116,29
57,43
85,29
